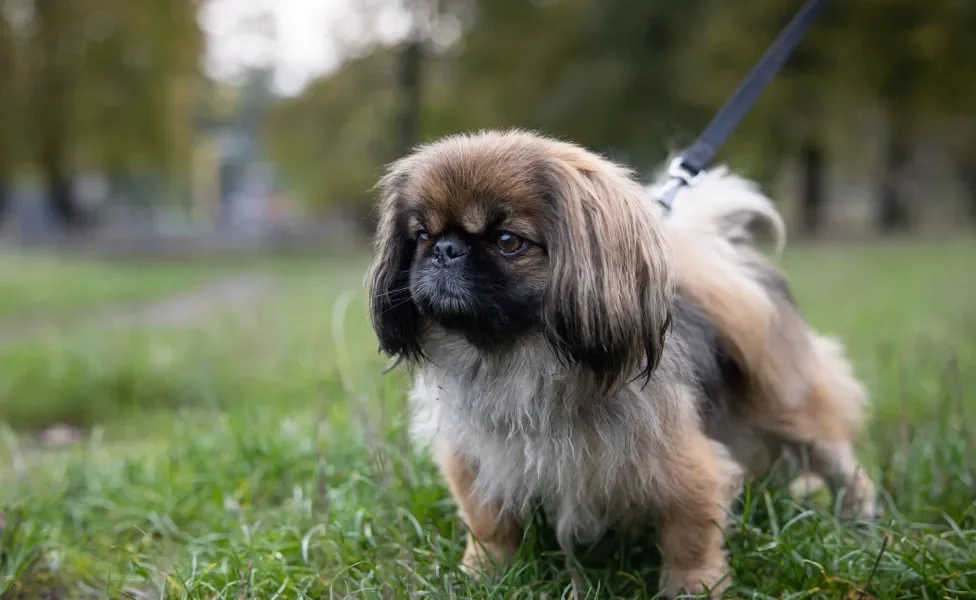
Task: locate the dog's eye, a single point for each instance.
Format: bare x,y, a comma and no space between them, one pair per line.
423,236
508,243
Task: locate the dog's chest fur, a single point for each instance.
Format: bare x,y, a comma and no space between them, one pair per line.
539,433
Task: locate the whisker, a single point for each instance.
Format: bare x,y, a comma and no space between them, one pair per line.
392,292
397,305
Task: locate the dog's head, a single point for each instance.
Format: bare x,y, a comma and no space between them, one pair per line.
500,235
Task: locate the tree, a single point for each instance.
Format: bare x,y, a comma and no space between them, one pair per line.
112,88
638,79
966,171
332,141
56,46
793,118
909,61
893,68
409,73
137,84
913,58
812,190
9,108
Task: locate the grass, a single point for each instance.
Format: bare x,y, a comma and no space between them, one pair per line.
263,455
51,286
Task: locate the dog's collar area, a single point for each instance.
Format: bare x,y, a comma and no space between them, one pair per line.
679,176
688,168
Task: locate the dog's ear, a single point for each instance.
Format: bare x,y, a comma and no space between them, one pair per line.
607,304
395,317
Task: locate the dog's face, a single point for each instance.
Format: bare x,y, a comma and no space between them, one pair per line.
499,235
479,270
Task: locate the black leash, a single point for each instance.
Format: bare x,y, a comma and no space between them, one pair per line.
688,168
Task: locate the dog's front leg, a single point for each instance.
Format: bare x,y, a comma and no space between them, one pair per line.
493,535
696,484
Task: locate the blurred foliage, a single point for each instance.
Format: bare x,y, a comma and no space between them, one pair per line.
116,86
100,84
337,129
638,79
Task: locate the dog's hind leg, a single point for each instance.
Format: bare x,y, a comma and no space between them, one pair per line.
820,419
836,464
834,389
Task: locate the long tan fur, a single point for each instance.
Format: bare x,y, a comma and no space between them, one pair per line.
561,417
802,386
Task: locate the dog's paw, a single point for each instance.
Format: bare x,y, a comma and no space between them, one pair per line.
474,561
479,560
860,500
695,583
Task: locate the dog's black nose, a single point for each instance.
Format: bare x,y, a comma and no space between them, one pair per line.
449,249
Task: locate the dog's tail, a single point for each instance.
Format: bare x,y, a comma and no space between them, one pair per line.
725,205
713,230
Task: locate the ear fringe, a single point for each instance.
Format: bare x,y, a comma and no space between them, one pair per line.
394,316
605,308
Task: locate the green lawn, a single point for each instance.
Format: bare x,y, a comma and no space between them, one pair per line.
51,286
261,454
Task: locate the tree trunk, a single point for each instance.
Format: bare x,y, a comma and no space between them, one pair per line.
10,135
52,110
893,212
966,172
968,177
409,71
408,118
5,197
812,187
60,191
774,151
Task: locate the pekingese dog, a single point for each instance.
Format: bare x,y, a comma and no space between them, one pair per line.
575,349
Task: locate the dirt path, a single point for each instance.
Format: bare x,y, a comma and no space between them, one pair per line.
186,308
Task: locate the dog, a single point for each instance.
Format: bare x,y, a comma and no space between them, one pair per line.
573,348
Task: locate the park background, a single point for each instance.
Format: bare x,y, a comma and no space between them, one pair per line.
191,402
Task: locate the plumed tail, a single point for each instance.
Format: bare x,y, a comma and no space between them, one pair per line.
799,381
711,233
728,206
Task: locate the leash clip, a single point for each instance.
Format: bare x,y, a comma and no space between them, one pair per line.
678,176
